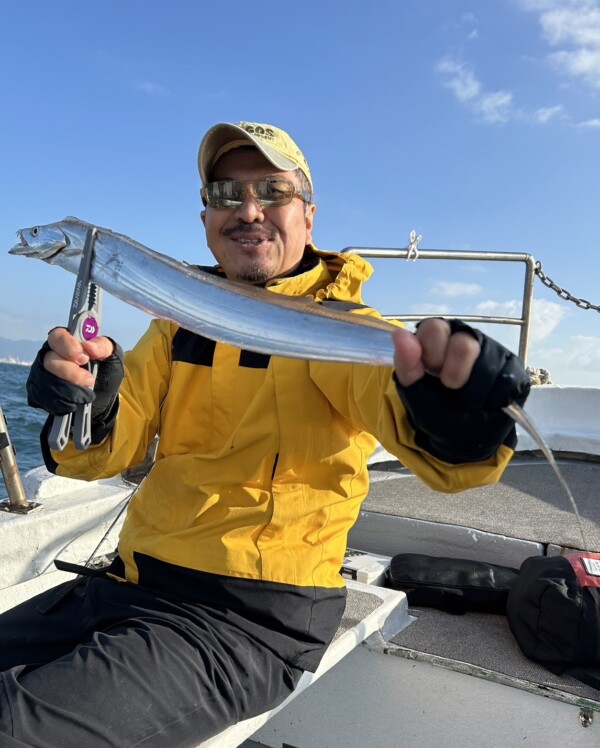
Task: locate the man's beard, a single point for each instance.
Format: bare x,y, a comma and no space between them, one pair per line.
254,273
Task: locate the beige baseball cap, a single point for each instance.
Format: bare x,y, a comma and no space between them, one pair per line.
275,145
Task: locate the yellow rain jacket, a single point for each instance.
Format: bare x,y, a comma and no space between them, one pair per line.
261,466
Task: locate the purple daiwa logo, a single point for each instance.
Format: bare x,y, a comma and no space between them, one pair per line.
89,328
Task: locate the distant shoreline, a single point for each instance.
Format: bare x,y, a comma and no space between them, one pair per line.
15,361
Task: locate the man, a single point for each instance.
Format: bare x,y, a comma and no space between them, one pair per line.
227,586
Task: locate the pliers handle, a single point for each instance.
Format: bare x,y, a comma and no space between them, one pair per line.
84,324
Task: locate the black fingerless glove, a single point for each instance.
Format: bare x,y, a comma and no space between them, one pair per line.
58,397
105,405
468,424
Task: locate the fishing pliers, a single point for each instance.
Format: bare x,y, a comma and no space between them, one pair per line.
84,324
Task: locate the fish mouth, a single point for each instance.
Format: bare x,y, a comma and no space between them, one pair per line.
21,248
24,249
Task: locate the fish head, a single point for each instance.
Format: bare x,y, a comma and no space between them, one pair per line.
56,243
41,242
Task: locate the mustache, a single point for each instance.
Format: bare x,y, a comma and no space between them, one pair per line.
252,229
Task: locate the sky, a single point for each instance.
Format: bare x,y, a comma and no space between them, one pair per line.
475,124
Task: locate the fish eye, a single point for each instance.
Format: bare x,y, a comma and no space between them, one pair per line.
35,231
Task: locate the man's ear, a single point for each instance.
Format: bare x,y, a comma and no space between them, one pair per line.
309,217
203,217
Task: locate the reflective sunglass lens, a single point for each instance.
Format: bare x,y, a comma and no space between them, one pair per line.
230,193
274,191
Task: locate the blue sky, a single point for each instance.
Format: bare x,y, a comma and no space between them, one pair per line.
475,123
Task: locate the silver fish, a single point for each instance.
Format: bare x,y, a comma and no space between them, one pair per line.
230,312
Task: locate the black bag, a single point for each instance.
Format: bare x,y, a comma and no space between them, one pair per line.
455,585
553,611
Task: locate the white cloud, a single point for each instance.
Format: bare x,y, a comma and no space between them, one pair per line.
470,19
579,63
546,113
491,106
496,106
582,352
152,89
578,24
545,316
572,26
589,123
430,309
499,308
452,290
458,77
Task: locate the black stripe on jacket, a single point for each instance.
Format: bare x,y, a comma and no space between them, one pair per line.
297,622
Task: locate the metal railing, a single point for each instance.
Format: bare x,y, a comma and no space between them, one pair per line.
524,321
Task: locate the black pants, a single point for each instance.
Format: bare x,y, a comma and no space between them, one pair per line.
119,665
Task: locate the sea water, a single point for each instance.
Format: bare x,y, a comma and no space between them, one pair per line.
24,423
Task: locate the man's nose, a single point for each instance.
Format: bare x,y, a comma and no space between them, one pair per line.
250,210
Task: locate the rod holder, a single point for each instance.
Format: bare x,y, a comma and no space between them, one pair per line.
17,502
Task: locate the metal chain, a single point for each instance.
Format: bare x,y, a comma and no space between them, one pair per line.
564,294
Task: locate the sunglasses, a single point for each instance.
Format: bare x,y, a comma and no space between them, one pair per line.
270,192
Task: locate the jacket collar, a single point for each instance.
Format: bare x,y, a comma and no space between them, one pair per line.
331,276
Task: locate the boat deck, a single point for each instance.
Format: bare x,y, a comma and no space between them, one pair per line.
482,645
527,513
528,503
